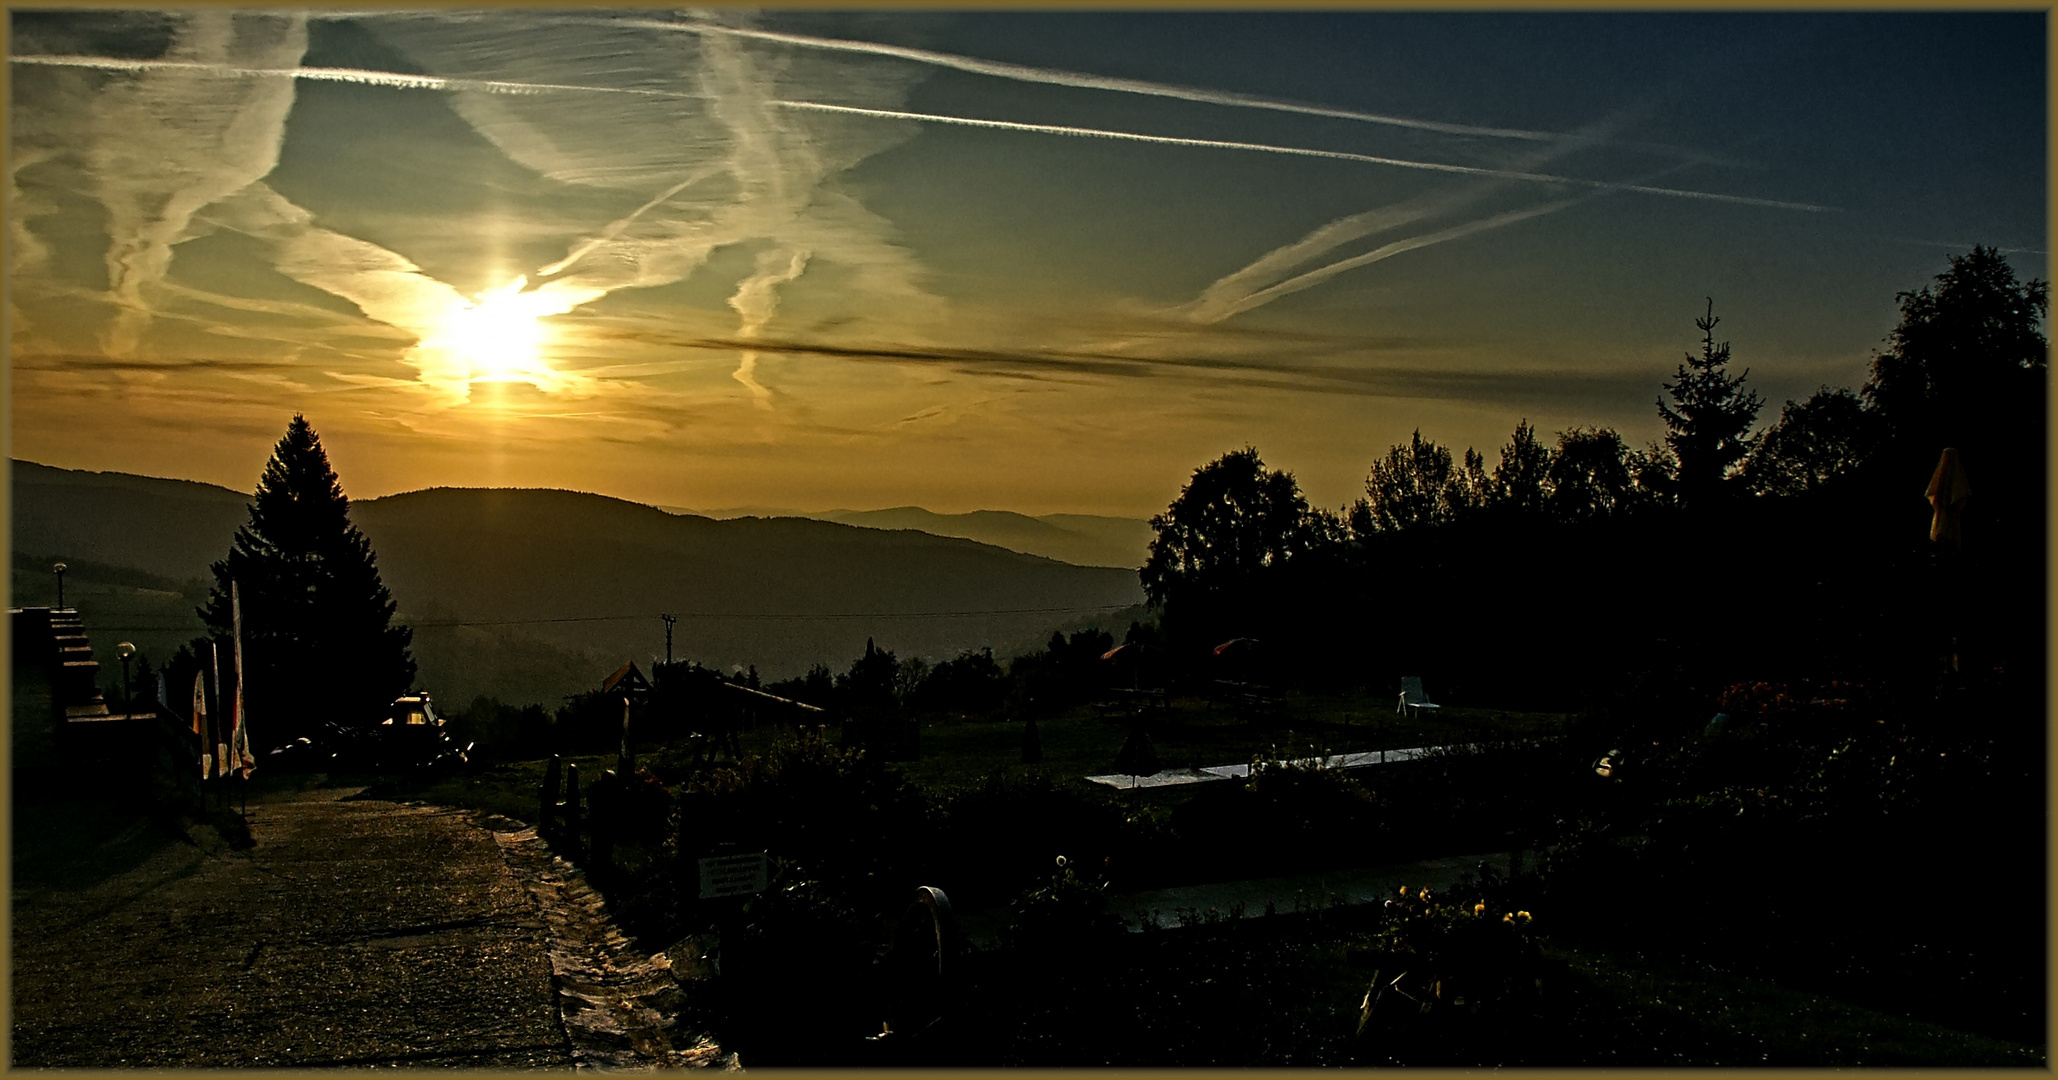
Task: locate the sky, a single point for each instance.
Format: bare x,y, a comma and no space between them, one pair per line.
1034,261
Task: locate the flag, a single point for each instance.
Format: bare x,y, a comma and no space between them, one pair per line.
200,723
219,732
239,742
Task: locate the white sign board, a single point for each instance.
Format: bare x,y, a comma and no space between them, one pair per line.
734,875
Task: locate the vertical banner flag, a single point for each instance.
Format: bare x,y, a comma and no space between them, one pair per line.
200,722
220,726
239,743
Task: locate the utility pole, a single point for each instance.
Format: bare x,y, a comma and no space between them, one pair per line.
669,620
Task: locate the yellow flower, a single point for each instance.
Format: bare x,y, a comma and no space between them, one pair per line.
1509,919
1479,908
1523,915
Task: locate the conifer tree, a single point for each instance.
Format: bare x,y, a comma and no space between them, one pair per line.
318,635
1709,420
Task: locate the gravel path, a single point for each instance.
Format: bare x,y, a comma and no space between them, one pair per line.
355,932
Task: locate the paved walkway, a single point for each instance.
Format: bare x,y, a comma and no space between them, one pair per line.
355,932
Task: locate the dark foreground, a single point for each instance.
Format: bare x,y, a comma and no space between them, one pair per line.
353,932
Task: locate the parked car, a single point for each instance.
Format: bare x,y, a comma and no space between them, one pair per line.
410,737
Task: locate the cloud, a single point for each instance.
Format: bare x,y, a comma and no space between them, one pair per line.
1223,308
359,76
1301,151
1085,81
160,144
755,301
720,164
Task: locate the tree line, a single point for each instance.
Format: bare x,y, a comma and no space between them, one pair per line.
1800,543
1569,564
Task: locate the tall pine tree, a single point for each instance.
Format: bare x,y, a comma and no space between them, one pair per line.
1709,421
319,642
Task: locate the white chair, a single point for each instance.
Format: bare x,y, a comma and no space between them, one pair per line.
1412,696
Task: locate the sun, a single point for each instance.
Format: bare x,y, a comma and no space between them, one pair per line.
498,337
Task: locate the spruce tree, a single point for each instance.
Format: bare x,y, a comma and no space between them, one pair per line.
1709,420
319,642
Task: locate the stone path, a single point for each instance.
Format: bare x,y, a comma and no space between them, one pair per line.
620,1007
355,933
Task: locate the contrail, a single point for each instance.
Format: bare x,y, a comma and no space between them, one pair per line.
1298,151
614,228
1385,251
1078,80
755,301
326,74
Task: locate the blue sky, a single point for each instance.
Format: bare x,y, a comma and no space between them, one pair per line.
1035,261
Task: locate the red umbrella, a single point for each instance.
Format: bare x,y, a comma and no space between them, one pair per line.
1240,644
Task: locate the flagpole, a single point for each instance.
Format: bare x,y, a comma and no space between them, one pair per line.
215,756
239,741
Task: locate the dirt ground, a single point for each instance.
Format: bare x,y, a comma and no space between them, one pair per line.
352,932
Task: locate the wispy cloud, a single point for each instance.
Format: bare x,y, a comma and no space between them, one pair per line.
1084,81
358,76
1222,306
1302,151
163,143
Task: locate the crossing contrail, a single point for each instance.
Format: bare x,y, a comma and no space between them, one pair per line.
359,76
1079,80
1299,151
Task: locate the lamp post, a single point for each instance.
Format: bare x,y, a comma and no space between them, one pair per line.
125,650
59,569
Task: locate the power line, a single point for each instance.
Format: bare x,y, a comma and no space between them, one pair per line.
754,616
731,615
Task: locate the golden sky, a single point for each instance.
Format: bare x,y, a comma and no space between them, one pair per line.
1032,261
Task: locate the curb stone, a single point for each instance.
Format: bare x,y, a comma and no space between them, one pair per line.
619,1008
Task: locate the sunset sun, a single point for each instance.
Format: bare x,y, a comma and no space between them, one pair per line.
497,338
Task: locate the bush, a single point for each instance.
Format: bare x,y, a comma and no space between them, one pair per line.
835,816
998,838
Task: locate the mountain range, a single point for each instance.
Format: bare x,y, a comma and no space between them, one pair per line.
530,595
1080,539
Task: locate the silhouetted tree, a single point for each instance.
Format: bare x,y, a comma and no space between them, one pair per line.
318,633
1418,486
1709,421
1521,480
1590,475
1232,522
972,682
1968,345
871,681
1825,438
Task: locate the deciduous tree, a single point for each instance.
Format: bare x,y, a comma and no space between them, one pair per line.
1234,520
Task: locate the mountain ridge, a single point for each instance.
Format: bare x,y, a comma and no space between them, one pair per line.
533,593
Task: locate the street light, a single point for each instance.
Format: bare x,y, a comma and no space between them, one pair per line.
59,568
125,650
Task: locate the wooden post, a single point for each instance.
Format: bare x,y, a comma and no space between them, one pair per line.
625,762
546,819
571,806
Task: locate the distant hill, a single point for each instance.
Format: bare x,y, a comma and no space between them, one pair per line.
534,594
1080,539
171,528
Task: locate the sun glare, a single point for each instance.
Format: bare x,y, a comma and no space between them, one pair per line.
498,337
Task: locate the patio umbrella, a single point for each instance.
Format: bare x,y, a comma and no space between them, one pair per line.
1949,490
